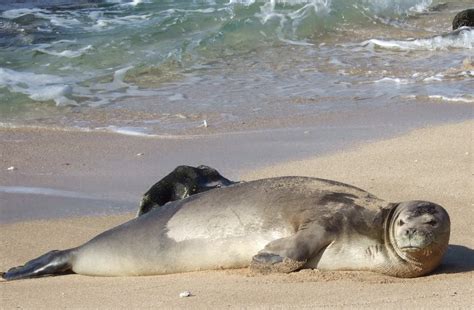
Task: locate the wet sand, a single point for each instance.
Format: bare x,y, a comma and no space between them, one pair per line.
433,163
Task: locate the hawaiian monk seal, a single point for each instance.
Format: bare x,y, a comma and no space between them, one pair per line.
274,225
180,183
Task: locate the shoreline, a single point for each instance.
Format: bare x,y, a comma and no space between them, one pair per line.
106,173
432,163
408,112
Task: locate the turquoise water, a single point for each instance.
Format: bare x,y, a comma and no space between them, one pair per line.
166,66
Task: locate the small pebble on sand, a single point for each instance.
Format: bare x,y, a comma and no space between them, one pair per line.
185,294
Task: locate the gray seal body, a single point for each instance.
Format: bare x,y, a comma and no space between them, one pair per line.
272,225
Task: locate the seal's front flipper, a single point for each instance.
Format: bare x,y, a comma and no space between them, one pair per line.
270,263
291,253
281,255
51,263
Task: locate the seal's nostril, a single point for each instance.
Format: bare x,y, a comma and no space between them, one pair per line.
410,231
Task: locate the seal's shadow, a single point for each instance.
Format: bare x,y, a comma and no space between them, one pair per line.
457,259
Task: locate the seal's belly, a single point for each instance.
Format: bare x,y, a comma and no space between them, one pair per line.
190,240
190,254
357,254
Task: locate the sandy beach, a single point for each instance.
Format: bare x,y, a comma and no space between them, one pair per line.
433,163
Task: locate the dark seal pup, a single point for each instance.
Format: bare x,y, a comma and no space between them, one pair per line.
272,225
182,182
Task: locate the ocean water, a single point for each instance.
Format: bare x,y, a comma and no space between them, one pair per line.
175,66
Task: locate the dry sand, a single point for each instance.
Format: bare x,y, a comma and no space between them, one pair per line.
433,164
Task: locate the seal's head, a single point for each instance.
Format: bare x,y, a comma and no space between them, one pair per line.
211,178
419,233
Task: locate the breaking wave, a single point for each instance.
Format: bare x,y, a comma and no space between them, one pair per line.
93,52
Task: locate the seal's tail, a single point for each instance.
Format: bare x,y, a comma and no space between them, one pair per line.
51,263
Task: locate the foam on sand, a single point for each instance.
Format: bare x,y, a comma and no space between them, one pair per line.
461,38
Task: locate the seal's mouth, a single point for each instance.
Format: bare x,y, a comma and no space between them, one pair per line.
410,249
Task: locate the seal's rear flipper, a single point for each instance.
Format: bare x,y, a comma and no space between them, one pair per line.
51,263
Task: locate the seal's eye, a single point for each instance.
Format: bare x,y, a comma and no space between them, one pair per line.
432,223
401,222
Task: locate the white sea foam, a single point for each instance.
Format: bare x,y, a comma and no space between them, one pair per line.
421,7
453,75
64,41
290,20
434,78
104,23
119,75
461,38
15,13
293,42
268,11
392,80
39,87
129,131
398,6
463,99
128,2
205,11
65,53
244,2
65,91
65,20
136,2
